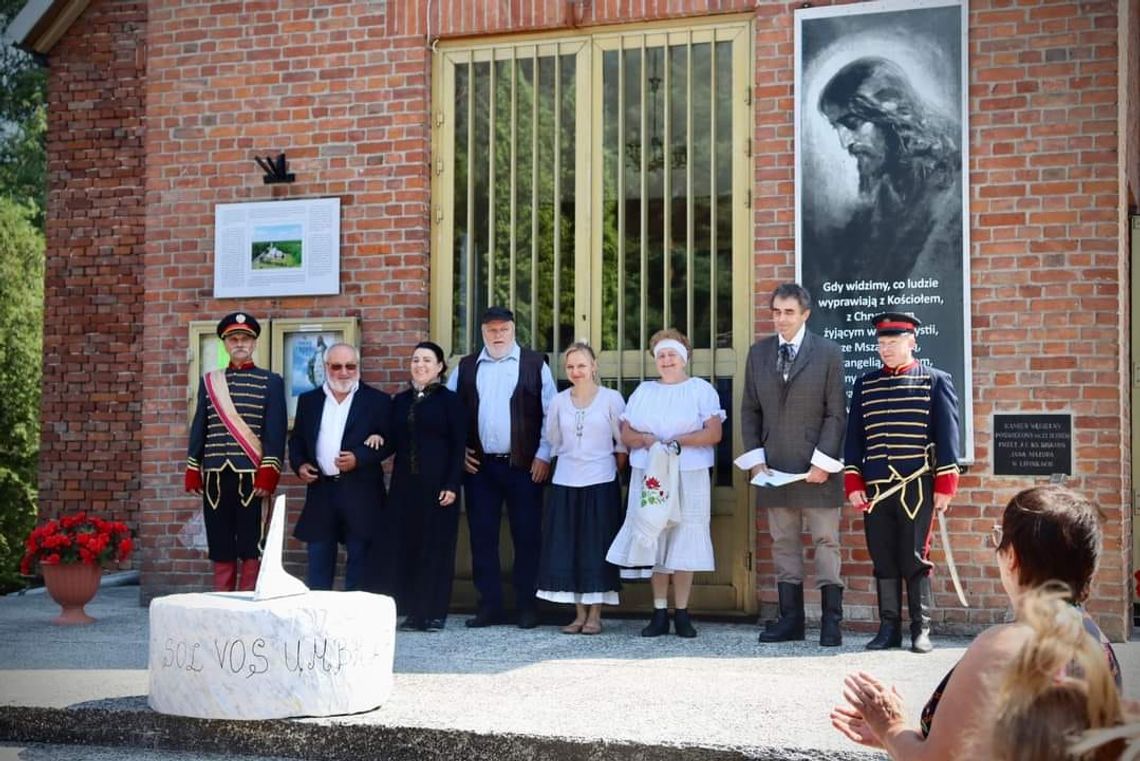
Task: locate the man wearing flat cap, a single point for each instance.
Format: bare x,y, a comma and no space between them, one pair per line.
506,391
237,441
901,457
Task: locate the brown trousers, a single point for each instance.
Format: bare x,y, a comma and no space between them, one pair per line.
786,526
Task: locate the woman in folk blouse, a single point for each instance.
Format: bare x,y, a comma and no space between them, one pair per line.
583,511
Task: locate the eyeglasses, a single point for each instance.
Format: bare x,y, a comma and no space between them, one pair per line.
995,536
336,367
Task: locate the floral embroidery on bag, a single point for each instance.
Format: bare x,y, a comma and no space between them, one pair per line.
652,493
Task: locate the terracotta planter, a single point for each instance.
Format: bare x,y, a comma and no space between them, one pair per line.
72,586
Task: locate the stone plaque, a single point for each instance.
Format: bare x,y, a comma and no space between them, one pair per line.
1033,444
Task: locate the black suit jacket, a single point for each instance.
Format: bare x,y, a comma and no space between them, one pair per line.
351,504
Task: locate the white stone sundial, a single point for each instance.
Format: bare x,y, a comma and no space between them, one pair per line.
274,581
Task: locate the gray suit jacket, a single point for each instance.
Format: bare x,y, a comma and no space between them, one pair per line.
792,419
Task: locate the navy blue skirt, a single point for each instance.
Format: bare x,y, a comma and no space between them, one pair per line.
578,527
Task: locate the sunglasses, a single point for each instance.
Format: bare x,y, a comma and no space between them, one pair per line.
336,367
995,536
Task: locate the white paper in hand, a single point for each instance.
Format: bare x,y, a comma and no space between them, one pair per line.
777,478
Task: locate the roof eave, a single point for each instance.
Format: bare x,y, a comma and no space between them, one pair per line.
42,23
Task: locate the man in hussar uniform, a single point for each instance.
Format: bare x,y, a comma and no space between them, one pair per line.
237,441
902,438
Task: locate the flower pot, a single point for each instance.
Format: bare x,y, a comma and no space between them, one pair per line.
72,585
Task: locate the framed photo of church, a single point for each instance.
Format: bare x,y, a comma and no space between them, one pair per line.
206,352
298,350
881,181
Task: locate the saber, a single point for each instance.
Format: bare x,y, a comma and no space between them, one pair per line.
896,488
945,536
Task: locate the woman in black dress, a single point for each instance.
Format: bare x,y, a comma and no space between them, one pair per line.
428,431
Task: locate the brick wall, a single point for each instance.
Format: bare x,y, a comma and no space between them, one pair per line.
343,88
90,450
348,104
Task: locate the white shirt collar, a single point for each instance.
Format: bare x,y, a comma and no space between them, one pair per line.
515,353
797,339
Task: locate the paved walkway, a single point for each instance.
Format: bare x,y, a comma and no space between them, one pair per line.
498,693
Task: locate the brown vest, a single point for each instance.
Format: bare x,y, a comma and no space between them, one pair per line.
526,406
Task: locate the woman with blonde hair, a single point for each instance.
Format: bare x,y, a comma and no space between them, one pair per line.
682,415
1057,687
583,509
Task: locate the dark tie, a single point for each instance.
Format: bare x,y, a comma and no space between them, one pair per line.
784,361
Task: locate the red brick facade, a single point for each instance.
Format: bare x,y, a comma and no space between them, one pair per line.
92,446
344,88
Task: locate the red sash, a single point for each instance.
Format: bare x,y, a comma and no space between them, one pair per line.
219,392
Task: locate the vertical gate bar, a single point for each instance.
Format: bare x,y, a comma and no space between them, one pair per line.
666,189
557,215
714,307
472,245
643,214
492,212
621,211
534,198
512,237
690,233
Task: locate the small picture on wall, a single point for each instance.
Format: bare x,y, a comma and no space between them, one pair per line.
276,247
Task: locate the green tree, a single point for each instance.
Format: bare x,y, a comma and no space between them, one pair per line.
21,355
23,123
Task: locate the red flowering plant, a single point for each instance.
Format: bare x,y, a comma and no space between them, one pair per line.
76,538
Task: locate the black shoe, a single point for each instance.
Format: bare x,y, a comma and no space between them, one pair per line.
682,625
411,624
528,618
484,618
790,625
434,624
920,641
658,625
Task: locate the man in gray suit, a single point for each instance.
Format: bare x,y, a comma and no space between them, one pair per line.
793,419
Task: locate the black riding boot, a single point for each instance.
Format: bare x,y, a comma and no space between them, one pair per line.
890,608
919,601
790,626
831,614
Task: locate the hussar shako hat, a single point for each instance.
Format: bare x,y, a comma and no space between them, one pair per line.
894,323
238,322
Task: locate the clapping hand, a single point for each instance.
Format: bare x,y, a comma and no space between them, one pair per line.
873,710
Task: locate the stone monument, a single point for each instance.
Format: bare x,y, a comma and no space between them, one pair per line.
279,652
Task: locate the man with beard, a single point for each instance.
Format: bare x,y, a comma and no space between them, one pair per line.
237,440
506,391
332,451
908,215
